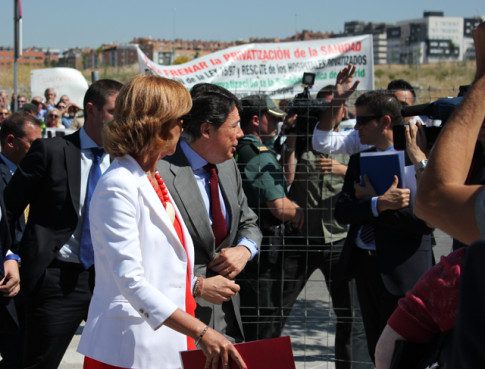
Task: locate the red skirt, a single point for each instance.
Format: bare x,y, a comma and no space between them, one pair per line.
94,364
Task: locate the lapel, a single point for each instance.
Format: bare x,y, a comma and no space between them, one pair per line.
5,172
155,205
72,153
187,195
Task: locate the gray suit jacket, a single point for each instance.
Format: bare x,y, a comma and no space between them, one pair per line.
179,178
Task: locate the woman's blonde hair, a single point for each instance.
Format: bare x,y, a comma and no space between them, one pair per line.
144,109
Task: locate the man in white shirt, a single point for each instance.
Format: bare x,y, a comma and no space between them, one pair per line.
326,137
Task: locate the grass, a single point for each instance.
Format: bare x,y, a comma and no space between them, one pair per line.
430,81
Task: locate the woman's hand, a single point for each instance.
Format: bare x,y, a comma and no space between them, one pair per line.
216,347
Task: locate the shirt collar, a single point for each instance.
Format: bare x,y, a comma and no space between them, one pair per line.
86,141
195,160
9,164
390,148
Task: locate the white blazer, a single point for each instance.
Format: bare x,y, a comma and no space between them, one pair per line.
140,273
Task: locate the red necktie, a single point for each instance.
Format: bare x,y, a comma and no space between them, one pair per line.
218,221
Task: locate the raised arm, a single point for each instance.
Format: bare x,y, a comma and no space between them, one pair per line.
443,200
343,89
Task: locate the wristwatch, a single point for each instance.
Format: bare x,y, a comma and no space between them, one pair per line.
13,257
421,165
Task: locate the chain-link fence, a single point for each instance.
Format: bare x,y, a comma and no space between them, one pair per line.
296,285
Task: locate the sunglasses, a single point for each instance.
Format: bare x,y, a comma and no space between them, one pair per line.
53,116
363,120
62,106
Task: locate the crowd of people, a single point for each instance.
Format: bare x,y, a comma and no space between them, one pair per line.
173,220
51,113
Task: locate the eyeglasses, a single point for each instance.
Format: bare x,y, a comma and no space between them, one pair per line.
363,120
3,113
21,101
62,106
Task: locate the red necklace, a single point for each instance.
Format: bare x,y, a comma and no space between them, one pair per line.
161,191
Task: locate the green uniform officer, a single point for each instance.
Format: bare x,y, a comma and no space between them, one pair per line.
265,187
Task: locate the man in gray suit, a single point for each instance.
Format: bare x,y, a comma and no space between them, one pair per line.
211,133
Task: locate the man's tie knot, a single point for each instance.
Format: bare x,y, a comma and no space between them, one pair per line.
211,168
97,153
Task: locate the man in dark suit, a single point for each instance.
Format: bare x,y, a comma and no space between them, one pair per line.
56,281
211,133
9,287
387,247
16,136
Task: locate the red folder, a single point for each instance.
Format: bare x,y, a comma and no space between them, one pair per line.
263,354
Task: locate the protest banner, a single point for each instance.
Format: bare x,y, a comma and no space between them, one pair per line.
64,81
273,68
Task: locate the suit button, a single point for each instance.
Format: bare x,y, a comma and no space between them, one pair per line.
141,311
146,315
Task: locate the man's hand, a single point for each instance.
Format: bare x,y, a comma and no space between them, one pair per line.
287,211
343,85
394,198
299,218
415,142
332,117
218,289
365,191
12,278
289,122
229,262
330,166
479,41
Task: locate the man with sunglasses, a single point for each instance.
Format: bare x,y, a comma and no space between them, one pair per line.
387,248
21,100
4,113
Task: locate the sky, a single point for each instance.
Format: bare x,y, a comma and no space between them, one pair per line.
62,24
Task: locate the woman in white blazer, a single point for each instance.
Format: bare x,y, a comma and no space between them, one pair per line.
143,252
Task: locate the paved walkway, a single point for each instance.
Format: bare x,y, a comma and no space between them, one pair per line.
311,324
